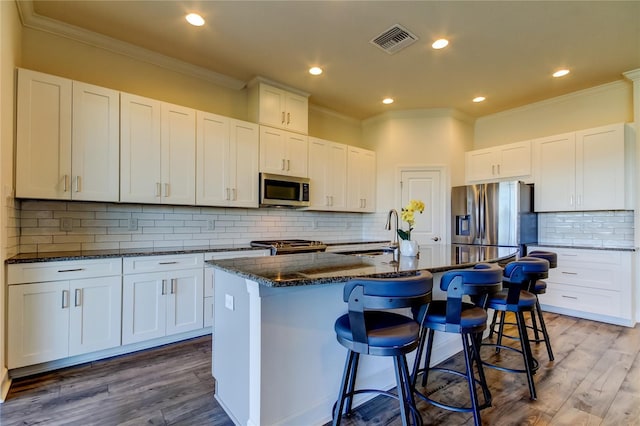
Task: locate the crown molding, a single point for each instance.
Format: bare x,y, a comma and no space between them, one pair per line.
633,75
332,113
32,20
421,114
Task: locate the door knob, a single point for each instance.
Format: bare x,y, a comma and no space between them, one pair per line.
435,238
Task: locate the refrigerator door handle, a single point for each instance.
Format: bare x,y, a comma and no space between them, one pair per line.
477,237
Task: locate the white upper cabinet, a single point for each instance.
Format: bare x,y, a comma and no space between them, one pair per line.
158,144
585,170
361,180
67,139
272,106
227,161
283,152
498,163
328,174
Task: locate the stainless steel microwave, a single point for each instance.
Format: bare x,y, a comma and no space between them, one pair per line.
284,191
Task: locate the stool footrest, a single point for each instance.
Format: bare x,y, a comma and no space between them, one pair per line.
442,405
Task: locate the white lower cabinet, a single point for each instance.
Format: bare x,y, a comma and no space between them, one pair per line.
209,272
162,295
592,284
68,312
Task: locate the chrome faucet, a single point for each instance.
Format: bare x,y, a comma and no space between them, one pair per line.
394,243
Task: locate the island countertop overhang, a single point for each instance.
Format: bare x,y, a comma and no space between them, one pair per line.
328,268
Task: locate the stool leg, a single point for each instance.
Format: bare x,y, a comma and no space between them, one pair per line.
471,379
337,413
419,351
500,330
526,352
534,326
543,326
493,323
401,388
417,420
475,346
427,358
352,382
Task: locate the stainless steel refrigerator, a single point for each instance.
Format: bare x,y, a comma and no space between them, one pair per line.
494,214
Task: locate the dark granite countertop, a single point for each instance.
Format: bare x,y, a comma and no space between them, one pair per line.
100,254
326,268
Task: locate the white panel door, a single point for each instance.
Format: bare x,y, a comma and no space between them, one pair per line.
272,105
600,174
480,165
297,113
38,323
140,179
212,184
555,175
319,161
178,161
243,163
424,185
43,135
185,300
337,176
297,154
95,156
95,314
143,307
272,150
515,160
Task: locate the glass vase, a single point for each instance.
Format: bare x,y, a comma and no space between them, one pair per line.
408,248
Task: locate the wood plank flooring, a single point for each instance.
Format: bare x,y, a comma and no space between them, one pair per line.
594,380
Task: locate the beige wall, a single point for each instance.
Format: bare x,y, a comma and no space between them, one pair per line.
68,58
597,106
10,39
416,138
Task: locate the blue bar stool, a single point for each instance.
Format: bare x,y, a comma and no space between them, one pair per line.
518,275
370,329
467,319
538,324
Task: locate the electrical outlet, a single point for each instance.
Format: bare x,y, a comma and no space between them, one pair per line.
66,224
211,225
228,301
133,224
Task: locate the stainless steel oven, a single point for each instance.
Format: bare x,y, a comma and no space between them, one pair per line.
283,191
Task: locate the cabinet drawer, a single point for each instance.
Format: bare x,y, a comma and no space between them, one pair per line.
604,277
591,300
63,270
137,265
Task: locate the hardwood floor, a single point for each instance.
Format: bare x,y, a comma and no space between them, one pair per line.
594,380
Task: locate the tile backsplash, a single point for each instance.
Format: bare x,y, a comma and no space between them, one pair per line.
614,229
47,226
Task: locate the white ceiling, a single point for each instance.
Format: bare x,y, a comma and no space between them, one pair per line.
504,50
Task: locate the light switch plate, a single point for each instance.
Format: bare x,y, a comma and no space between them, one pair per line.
228,301
66,224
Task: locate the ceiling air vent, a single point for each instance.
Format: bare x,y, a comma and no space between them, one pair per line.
394,39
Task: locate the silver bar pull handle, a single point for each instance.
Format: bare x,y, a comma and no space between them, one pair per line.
283,163
569,273
164,287
78,297
288,165
71,270
158,189
288,117
227,194
570,297
172,262
65,182
65,299
233,194
77,183
282,117
493,169
498,168
173,285
166,189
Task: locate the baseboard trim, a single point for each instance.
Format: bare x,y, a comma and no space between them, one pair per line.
5,384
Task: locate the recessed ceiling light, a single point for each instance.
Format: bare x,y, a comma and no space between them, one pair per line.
561,73
387,101
440,43
195,19
315,70
479,99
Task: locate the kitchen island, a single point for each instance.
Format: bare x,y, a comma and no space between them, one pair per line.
276,360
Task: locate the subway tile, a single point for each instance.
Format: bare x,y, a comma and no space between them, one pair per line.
100,246
112,238
42,248
113,215
89,207
65,239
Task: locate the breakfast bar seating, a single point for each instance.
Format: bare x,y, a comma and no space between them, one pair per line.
369,328
455,316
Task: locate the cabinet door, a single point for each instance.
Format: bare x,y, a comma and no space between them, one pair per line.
95,314
140,179
143,307
338,176
272,106
43,136
515,160
243,164
319,174
361,180
213,188
38,323
555,161
178,161
272,150
297,113
185,300
95,156
600,168
480,165
297,155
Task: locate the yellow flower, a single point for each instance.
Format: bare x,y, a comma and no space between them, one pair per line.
408,215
